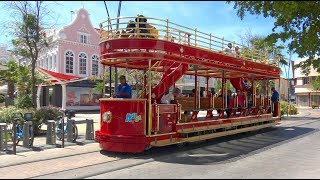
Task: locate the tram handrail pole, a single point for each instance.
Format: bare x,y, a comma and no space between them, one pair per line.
149,98
167,20
104,82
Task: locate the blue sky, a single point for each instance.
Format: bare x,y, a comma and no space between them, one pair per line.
216,17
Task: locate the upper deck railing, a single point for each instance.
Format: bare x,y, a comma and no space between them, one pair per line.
169,31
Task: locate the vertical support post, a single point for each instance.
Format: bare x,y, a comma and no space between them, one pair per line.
89,129
195,68
195,37
38,95
110,80
104,82
3,137
64,96
222,43
149,100
14,129
26,136
210,40
222,88
70,124
167,29
51,133
278,102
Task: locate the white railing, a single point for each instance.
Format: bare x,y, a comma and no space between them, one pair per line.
169,31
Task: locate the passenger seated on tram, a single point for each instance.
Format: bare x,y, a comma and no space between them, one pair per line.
167,98
177,93
237,51
193,93
124,89
229,50
153,31
142,25
129,29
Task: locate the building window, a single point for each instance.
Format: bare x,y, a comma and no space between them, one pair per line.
54,62
305,80
50,63
83,38
69,62
95,65
46,63
82,63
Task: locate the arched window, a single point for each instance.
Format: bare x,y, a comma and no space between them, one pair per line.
69,62
95,65
82,63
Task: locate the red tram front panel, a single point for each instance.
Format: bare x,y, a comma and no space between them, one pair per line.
122,125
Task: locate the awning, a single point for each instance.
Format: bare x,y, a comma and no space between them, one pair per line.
58,78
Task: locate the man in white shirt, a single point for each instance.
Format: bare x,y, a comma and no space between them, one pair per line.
167,98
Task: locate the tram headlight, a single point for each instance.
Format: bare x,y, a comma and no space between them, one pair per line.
106,117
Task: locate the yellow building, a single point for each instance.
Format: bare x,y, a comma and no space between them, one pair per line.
305,95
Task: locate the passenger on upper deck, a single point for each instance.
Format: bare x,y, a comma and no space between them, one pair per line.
167,98
237,51
124,89
143,25
228,50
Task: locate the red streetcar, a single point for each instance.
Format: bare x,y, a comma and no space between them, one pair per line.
154,46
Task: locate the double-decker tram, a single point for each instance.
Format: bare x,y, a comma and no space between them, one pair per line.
164,52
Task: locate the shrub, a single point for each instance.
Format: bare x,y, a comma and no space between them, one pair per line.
47,113
285,107
2,98
7,114
23,101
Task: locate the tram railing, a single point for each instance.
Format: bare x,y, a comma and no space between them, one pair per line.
169,31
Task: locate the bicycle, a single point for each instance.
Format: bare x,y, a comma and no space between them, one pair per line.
19,128
69,114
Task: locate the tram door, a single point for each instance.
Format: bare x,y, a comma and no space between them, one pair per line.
164,118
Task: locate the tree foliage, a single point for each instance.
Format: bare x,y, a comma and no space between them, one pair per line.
316,84
296,22
29,34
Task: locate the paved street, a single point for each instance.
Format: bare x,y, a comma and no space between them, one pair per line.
289,150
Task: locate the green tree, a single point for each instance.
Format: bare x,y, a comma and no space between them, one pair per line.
296,22
29,34
316,85
10,76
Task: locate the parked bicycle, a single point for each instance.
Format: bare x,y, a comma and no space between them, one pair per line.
59,130
19,128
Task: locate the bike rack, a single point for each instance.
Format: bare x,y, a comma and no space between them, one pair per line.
89,130
69,130
26,138
51,133
3,137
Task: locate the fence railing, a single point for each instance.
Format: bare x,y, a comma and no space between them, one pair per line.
169,31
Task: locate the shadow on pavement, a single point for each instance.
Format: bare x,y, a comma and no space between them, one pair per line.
218,150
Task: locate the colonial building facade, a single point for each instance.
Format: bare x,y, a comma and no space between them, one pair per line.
74,51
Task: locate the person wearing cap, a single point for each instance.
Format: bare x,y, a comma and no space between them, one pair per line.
124,89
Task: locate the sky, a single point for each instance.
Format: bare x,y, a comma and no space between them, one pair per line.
216,17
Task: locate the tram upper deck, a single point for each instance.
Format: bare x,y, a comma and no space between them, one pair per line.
169,45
